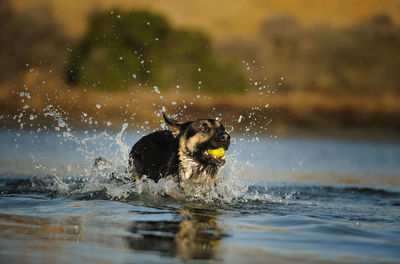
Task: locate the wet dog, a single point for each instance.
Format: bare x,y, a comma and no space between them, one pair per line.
184,151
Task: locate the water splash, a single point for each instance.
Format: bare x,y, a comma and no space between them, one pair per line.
107,177
79,176
103,171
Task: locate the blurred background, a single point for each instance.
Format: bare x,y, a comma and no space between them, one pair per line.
285,67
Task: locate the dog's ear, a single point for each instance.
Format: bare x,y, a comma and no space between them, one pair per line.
175,126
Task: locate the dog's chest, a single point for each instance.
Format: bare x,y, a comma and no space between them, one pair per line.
190,169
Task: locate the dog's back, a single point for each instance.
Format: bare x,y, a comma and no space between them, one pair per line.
155,155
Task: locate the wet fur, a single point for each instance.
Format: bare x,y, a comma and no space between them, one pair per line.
178,152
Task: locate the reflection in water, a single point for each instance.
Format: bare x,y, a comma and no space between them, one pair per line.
22,235
15,225
48,230
195,235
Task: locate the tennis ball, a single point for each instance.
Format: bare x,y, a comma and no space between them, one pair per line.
218,153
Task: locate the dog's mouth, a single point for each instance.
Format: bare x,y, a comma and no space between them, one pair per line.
216,156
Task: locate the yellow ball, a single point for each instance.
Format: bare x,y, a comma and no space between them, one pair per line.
218,153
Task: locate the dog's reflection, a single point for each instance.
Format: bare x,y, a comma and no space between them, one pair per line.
194,235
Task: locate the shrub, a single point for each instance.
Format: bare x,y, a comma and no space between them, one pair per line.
140,47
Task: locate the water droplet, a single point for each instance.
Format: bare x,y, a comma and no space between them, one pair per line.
199,69
98,106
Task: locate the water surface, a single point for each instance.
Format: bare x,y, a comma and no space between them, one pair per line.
278,200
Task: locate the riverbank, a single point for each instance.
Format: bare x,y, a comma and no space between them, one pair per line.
268,113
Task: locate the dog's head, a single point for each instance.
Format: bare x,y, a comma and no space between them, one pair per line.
203,140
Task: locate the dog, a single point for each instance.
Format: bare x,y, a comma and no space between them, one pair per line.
182,151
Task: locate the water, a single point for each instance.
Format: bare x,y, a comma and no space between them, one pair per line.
278,200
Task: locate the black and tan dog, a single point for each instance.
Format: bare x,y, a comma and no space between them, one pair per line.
184,151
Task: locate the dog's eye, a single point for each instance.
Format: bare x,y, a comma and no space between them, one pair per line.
205,129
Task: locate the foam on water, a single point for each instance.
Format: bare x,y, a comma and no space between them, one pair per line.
110,177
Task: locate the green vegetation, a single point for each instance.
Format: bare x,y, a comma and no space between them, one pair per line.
139,47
